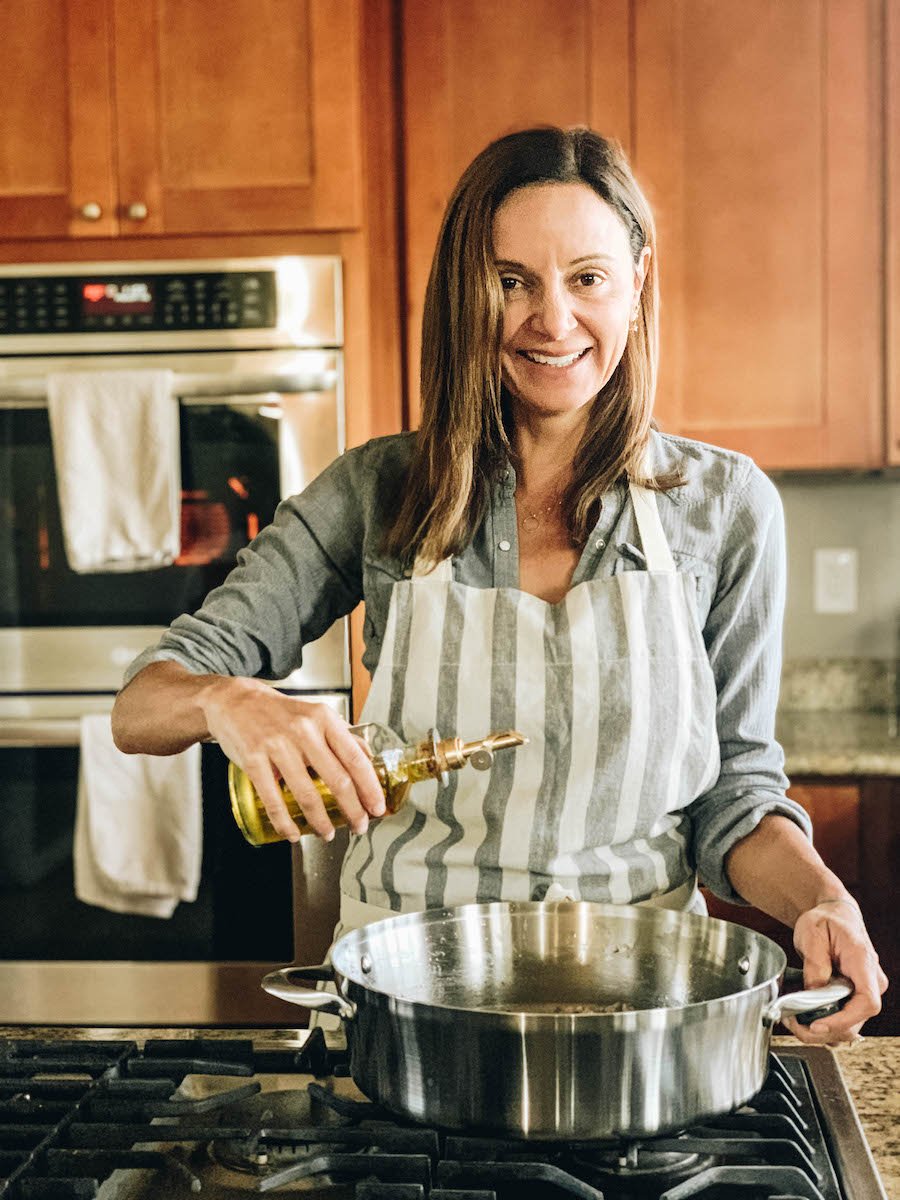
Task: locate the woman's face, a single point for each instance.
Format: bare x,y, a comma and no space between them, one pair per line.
571,288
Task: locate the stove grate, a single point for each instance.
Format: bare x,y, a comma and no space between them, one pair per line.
73,1113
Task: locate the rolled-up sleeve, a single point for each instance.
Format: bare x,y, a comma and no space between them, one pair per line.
743,639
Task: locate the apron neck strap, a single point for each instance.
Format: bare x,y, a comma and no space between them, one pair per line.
654,542
440,573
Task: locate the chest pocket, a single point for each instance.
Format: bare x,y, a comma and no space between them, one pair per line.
379,576
630,558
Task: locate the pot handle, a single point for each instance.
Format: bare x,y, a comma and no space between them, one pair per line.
287,983
810,1004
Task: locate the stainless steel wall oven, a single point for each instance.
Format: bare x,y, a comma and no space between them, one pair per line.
255,348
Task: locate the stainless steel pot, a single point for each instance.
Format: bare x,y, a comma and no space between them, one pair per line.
503,1017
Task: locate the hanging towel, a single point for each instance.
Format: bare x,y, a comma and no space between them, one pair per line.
118,469
138,825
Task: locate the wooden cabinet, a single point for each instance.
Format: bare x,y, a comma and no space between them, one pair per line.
756,131
892,266
132,119
757,136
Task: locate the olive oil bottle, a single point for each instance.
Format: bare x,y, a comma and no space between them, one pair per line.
397,765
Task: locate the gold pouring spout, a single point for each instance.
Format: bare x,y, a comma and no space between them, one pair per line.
479,753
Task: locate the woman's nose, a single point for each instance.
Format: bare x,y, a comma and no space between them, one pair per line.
554,313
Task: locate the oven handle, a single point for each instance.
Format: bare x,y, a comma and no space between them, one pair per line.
39,733
191,389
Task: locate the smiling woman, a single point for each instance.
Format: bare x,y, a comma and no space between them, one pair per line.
539,557
567,312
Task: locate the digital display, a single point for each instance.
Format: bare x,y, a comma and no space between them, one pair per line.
108,297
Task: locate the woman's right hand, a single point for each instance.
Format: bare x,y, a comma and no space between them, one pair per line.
269,735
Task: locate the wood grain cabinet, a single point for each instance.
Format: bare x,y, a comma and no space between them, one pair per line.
143,117
892,77
756,130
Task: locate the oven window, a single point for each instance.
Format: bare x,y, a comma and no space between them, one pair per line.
230,488
244,906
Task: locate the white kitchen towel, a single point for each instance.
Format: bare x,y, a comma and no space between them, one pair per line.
138,826
118,468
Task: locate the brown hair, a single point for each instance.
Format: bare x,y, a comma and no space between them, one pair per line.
463,444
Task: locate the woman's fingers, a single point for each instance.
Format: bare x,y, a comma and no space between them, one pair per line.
833,940
272,737
356,761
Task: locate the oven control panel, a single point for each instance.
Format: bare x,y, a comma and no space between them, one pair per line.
186,301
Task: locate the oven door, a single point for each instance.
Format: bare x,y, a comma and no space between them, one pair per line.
64,961
255,426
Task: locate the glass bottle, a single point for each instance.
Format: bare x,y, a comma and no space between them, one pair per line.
398,766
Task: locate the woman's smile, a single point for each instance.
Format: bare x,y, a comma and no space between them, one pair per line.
556,360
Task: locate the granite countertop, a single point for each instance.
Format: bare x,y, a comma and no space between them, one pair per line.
870,1070
840,716
827,742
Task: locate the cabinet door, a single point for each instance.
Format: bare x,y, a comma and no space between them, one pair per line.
757,135
238,117
473,72
893,231
56,155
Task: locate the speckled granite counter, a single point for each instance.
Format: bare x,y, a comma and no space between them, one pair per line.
839,743
840,716
870,1070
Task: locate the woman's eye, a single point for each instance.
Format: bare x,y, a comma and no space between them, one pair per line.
509,283
589,278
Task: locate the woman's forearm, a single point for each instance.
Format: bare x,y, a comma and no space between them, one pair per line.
161,711
776,869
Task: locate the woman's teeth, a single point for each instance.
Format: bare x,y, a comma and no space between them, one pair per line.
553,360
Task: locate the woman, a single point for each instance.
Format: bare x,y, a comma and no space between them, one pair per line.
537,557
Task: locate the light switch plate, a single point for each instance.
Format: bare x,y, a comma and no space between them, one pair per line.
835,584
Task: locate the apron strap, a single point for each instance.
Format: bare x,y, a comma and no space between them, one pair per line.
442,572
653,538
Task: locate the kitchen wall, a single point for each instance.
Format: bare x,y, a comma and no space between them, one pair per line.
846,512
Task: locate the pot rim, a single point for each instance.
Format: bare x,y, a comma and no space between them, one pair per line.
630,1019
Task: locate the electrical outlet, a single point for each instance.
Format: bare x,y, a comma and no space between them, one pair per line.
835,583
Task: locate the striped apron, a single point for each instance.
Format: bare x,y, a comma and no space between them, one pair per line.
614,690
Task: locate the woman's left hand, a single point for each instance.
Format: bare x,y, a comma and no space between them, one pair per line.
832,940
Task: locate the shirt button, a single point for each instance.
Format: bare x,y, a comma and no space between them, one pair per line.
599,544
504,545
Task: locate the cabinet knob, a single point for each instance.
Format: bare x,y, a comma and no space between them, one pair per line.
136,212
91,211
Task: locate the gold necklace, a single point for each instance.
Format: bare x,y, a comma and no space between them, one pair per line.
533,518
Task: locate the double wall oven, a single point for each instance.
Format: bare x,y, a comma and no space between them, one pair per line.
255,351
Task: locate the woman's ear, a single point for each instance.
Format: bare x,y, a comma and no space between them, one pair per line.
640,270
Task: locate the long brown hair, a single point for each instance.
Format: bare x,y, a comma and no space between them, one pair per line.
463,443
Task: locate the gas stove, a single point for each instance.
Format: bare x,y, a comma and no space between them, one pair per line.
232,1117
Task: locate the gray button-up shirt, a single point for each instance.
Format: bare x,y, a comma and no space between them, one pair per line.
323,554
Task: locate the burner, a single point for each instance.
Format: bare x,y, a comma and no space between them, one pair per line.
637,1163
259,1153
